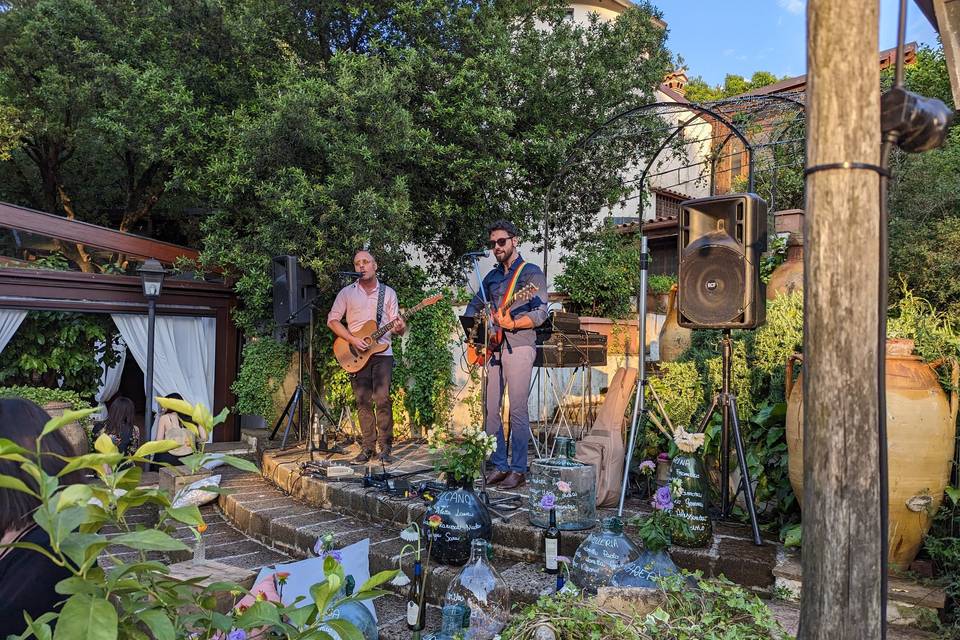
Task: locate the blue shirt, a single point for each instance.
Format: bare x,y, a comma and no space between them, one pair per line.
495,284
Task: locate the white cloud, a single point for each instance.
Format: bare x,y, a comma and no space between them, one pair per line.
728,52
792,6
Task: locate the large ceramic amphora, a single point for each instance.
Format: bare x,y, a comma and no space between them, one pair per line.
674,340
463,519
920,445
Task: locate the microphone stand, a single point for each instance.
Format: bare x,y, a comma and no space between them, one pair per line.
484,497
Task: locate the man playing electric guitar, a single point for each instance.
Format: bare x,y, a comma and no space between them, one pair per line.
512,365
364,300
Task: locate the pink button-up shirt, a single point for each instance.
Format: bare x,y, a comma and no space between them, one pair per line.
360,306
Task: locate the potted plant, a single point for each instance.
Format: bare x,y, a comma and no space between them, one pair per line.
462,516
601,278
658,292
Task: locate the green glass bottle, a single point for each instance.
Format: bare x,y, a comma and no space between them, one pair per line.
687,470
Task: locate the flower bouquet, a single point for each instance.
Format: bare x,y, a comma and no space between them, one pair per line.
460,456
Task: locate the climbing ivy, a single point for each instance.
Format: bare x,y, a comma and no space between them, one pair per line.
263,367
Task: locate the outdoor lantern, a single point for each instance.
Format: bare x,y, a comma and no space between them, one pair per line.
151,274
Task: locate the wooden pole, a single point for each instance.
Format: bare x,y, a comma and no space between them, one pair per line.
841,515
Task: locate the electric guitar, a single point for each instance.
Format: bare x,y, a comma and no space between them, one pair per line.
475,352
352,359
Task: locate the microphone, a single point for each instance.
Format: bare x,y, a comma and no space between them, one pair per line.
477,254
348,274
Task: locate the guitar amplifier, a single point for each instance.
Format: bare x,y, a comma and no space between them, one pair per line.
563,321
574,349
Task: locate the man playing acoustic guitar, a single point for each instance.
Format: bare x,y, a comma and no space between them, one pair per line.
364,300
511,366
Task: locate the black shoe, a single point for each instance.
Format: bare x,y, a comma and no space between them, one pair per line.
363,457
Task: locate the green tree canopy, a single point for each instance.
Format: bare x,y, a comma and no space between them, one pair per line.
698,90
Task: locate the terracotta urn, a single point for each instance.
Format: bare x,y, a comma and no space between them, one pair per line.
788,277
920,443
674,340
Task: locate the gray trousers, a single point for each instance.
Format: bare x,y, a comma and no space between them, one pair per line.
511,368
371,388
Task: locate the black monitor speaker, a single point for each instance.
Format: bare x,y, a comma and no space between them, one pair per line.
721,239
293,290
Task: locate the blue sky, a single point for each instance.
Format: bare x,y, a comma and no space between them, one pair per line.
717,37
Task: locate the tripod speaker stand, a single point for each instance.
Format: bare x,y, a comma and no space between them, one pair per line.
295,405
726,403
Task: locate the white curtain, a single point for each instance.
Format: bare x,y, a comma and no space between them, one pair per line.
110,377
10,320
184,355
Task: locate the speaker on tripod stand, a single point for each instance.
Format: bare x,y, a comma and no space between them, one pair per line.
294,294
721,239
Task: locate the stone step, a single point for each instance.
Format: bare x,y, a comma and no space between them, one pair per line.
908,601
731,553
292,526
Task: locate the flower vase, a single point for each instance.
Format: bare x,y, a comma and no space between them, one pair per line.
687,471
463,519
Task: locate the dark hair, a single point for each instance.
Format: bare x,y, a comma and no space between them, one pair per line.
502,225
120,421
22,422
172,396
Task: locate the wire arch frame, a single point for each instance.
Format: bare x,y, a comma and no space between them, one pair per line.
688,149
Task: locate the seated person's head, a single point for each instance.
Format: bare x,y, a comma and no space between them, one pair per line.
22,422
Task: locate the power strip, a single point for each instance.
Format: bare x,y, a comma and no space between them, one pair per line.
339,471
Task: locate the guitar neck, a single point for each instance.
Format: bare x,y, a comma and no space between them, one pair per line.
390,326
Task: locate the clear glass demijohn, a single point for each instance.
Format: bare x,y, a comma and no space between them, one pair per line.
601,555
480,587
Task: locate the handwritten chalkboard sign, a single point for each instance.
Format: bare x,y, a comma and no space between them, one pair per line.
463,518
691,504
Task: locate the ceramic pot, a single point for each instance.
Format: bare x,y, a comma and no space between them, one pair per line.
920,445
75,433
674,340
788,277
463,519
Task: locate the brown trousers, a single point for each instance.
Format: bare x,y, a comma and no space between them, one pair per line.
371,388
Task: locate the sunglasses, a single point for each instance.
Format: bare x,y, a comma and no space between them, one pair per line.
499,243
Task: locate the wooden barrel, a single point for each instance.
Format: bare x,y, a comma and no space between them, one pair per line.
920,445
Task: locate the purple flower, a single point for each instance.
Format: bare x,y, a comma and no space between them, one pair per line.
662,500
548,501
647,466
336,555
237,634
664,457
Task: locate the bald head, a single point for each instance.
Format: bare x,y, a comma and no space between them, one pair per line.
366,265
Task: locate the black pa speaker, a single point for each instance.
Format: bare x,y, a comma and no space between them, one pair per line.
721,240
293,289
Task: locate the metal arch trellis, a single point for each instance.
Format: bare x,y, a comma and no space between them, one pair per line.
617,163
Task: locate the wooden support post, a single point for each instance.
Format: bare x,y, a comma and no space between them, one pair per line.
841,508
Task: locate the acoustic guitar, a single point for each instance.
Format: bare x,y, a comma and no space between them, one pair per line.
475,352
352,359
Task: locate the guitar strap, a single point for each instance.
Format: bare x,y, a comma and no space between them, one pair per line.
508,293
383,290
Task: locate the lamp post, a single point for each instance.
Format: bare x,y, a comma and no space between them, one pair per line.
151,276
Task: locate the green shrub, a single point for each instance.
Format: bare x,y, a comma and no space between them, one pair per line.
50,346
660,284
263,367
602,275
716,608
43,395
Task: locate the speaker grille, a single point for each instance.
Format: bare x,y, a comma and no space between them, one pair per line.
713,281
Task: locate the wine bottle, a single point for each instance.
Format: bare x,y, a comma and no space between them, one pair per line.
551,544
415,612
